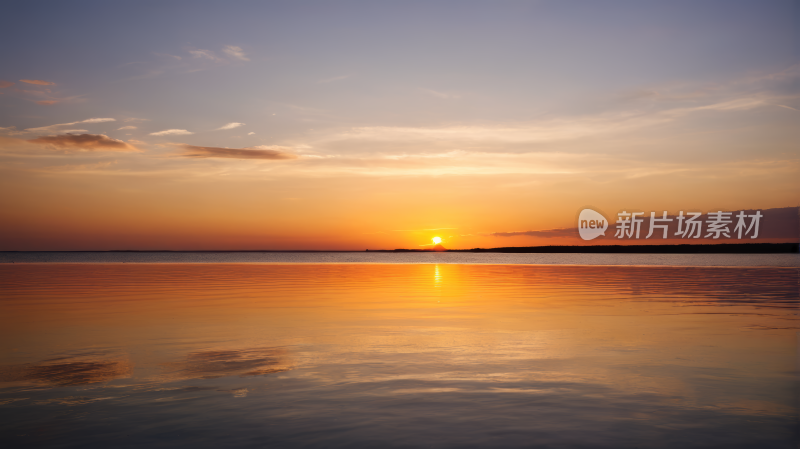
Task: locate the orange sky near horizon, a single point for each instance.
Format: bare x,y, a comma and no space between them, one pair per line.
357,213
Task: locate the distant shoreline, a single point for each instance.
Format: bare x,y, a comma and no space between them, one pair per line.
722,248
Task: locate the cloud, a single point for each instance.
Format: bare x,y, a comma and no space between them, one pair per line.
85,142
205,54
126,127
75,131
40,93
38,82
261,152
172,132
520,137
98,120
55,128
776,223
235,52
250,133
230,126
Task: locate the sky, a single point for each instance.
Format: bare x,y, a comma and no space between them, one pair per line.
377,125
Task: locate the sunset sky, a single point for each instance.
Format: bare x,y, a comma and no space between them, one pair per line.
354,125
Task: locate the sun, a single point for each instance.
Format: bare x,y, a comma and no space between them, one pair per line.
437,240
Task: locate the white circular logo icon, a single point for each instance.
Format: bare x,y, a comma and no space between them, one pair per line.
591,224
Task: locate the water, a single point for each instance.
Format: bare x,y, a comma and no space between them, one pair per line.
399,355
696,260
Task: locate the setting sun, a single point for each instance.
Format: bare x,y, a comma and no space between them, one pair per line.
437,240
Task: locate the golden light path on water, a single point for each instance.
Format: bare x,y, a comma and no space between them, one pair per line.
366,354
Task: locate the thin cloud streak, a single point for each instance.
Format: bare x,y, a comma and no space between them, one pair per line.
235,52
198,152
55,128
230,126
545,131
38,82
172,132
84,142
204,54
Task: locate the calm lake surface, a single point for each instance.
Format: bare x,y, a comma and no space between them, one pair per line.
693,351
692,260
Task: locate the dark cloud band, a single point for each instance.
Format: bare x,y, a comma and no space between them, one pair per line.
85,142
235,153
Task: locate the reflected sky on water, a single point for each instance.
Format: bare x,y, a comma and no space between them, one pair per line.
386,355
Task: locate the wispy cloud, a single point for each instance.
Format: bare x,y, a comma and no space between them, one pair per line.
84,142
231,51
204,54
40,92
230,126
38,82
514,137
235,52
172,132
56,127
267,153
200,59
126,127
98,120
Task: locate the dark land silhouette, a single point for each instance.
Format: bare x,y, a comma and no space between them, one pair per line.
722,248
